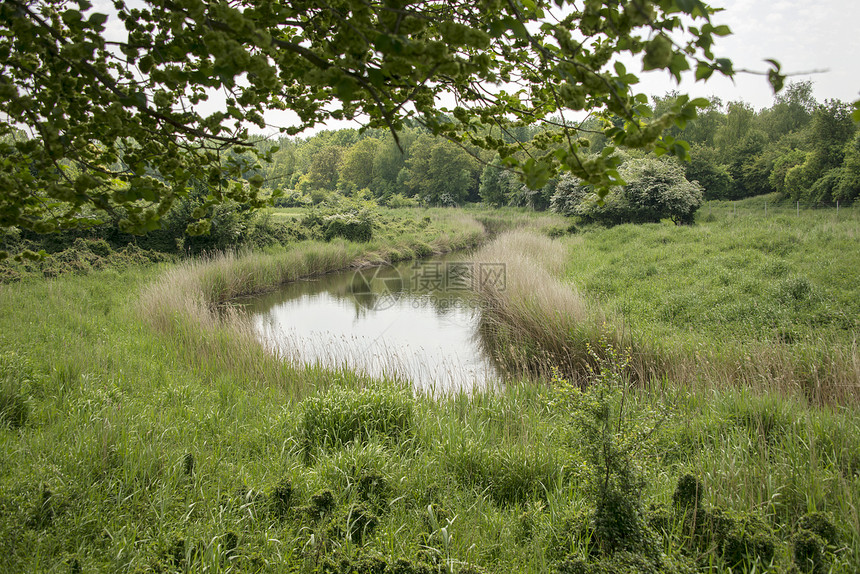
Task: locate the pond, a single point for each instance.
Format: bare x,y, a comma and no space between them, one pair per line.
416,321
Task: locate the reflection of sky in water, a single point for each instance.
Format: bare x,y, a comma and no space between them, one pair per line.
378,324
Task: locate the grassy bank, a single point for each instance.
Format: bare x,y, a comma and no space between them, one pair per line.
766,300
186,449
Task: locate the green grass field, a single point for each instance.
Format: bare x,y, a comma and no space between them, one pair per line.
738,289
143,435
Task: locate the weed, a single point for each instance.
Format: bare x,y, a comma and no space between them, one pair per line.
688,494
188,464
16,385
281,497
342,416
808,552
820,524
322,504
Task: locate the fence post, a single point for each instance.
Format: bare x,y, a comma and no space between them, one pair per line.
798,208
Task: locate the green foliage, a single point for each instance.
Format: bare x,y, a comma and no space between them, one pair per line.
322,504
609,438
570,193
655,189
358,163
398,200
116,407
745,541
797,147
83,256
688,493
491,190
821,524
714,177
119,126
341,416
281,497
808,552
508,476
228,224
440,172
16,388
351,219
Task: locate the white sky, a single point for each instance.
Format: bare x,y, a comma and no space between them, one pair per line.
802,35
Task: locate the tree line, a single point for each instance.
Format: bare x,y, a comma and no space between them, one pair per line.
806,150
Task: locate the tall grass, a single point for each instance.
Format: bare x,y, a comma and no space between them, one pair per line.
753,300
728,303
144,453
532,322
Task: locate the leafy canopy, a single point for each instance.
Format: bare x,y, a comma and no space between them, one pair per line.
96,125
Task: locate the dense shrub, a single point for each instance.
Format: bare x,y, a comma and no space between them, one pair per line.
349,218
713,176
655,190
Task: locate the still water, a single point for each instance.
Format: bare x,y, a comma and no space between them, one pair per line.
416,321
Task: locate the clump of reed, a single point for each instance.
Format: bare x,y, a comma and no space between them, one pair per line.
534,322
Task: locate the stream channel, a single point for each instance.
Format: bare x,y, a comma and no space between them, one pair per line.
415,321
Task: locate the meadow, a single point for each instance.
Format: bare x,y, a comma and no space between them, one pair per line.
681,399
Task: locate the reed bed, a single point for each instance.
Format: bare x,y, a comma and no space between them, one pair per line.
533,322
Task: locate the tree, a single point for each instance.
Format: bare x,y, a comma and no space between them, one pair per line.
792,110
491,190
126,111
657,189
389,161
440,172
713,176
325,167
829,136
358,163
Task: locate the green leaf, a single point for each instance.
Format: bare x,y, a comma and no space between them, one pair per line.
658,53
703,71
97,20
72,17
686,5
775,77
725,66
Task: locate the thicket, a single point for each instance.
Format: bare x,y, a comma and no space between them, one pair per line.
805,150
654,189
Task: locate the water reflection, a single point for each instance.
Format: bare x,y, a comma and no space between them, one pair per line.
416,321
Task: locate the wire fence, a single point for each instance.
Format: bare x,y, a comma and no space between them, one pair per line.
781,207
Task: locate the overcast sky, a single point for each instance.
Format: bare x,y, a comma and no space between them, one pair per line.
802,35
